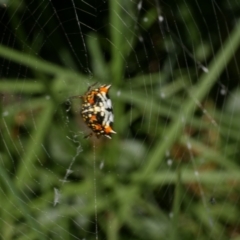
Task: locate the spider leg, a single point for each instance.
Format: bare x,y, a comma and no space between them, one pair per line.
77,96
89,88
82,96
88,136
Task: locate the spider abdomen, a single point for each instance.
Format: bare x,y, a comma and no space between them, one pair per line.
97,111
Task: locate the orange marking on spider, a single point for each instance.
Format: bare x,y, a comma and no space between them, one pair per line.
104,88
108,129
93,118
97,126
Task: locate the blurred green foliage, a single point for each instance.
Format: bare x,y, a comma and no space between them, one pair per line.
172,170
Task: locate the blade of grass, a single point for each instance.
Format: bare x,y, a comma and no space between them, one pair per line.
117,39
112,226
199,91
208,153
34,146
35,63
16,197
176,207
189,176
25,86
116,64
99,66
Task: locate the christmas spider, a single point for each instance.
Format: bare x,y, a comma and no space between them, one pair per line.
97,111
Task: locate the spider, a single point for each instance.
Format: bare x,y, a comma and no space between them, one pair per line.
97,111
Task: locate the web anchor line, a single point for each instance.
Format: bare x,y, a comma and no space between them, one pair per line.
69,171
95,189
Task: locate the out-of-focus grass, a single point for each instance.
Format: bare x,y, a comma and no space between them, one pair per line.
137,194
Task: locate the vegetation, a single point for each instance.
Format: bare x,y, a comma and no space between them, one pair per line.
172,169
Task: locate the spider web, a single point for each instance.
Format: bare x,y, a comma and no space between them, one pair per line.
172,169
